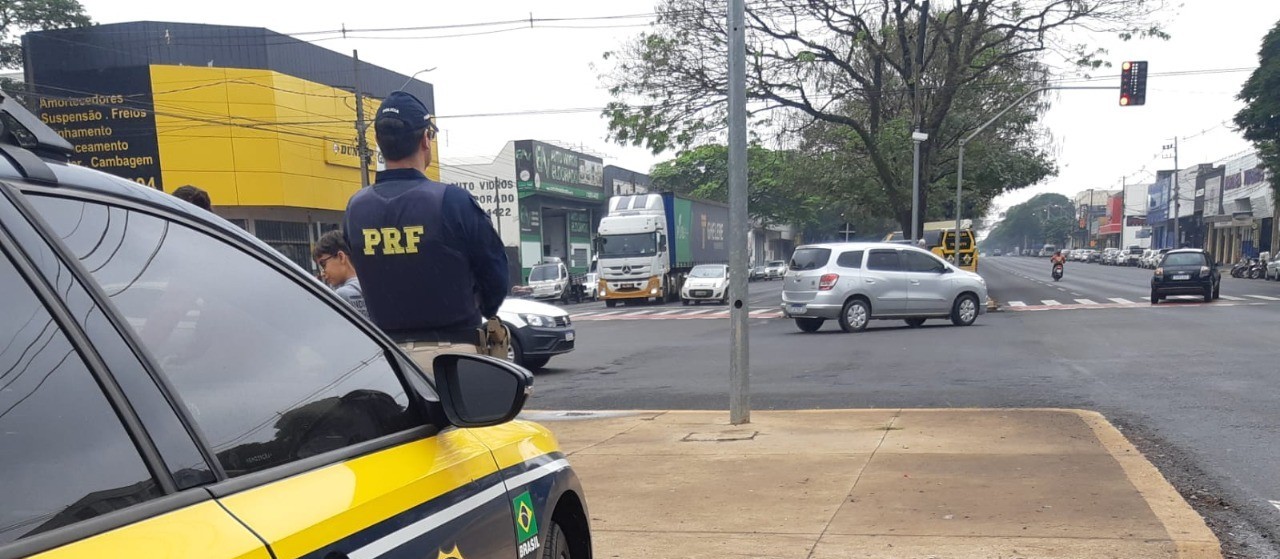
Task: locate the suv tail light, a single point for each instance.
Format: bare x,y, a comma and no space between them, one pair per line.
827,282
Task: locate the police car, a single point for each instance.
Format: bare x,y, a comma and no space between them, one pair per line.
172,387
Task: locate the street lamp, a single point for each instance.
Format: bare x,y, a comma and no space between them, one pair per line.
415,74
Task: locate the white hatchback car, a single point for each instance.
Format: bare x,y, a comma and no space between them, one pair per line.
706,282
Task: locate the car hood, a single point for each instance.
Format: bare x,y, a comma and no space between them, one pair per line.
524,306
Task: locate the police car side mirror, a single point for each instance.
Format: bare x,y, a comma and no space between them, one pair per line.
480,391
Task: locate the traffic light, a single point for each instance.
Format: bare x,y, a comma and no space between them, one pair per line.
1133,83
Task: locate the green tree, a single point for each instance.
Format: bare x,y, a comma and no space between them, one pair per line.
20,16
853,66
774,195
1260,118
1046,218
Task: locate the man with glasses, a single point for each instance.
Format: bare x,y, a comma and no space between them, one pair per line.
432,266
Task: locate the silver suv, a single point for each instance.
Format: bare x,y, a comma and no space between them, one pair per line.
855,283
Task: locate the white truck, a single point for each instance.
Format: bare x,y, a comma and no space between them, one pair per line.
647,244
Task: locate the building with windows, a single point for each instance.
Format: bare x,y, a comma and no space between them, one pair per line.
262,121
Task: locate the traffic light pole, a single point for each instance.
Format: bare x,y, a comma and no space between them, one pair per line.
967,139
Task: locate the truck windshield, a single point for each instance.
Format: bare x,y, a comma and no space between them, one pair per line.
622,246
544,273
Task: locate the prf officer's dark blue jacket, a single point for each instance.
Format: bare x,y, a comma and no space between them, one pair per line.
429,262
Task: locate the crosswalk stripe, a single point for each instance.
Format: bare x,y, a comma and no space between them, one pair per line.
664,313
1085,301
585,314
703,311
1017,304
759,312
1231,298
1264,297
1050,302
1122,301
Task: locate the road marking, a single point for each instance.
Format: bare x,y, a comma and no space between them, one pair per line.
634,313
664,313
1275,504
1050,302
759,312
1062,289
585,314
1086,302
1230,298
1264,297
608,313
1122,301
691,313
1017,304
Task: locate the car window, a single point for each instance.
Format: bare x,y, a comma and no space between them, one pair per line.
707,272
850,259
270,372
883,260
810,258
919,262
67,456
1184,259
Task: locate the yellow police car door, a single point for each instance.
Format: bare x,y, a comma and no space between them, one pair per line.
322,446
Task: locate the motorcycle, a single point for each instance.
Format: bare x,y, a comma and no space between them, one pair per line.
1057,272
1240,268
1257,269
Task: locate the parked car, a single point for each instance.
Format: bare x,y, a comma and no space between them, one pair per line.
776,269
1132,256
181,387
1149,258
706,282
759,272
549,280
997,252
1273,269
1094,256
855,283
538,331
591,285
1188,271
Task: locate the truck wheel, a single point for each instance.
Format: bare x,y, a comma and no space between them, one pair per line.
611,303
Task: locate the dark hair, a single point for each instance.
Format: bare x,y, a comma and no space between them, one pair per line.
396,140
330,244
194,195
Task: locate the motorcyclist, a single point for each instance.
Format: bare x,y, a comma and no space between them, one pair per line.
1057,260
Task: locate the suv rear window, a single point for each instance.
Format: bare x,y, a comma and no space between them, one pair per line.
1184,259
851,259
810,258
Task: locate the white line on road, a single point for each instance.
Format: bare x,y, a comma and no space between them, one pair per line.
606,313
1050,302
1264,297
703,311
1017,304
759,312
1122,301
1230,298
663,313
1275,504
1062,289
1085,301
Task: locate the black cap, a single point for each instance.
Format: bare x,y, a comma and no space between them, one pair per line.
406,108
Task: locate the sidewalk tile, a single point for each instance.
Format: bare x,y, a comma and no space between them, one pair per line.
993,495
991,432
705,545
729,493
916,547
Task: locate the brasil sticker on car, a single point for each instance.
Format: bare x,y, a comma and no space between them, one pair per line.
526,525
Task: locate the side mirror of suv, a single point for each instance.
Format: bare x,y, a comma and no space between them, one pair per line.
480,391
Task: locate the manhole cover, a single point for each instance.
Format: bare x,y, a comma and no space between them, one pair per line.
720,436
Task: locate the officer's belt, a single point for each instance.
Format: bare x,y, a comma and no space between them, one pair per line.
453,336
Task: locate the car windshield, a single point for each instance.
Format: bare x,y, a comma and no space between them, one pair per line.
810,258
623,246
707,272
777,264
1184,259
544,273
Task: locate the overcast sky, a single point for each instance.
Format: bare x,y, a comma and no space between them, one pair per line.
1096,141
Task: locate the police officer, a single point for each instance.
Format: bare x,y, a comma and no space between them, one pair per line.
431,265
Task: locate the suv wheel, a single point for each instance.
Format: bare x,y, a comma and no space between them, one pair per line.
809,324
965,310
1155,297
855,315
915,322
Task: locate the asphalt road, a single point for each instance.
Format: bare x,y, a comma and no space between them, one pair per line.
1197,382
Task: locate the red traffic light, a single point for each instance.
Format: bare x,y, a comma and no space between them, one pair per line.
1133,83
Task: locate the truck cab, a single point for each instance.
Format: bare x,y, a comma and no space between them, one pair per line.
632,249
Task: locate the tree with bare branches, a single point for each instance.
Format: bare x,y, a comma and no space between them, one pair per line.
841,79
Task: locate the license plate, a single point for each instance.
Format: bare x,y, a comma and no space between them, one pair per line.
795,309
1181,277
568,336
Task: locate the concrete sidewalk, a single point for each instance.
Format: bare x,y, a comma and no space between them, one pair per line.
873,483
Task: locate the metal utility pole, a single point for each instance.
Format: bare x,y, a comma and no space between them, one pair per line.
918,135
1177,199
967,139
362,149
739,368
